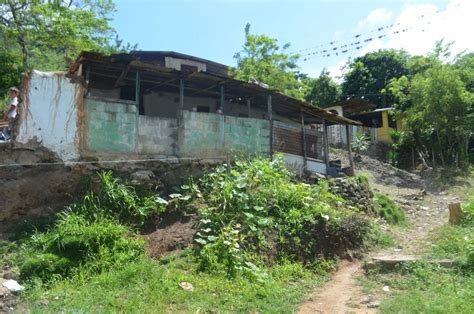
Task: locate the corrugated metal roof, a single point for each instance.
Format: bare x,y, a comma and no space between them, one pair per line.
281,101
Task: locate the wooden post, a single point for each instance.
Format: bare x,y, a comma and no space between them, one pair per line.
88,75
326,148
349,148
270,118
248,108
181,94
413,158
137,88
303,134
454,213
222,99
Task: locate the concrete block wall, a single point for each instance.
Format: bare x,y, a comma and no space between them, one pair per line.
157,135
213,135
247,135
201,135
112,125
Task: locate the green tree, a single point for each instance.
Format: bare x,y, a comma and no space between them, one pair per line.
370,74
45,32
263,60
465,66
438,122
323,91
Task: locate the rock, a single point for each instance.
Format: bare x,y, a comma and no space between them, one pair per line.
2,305
13,286
143,175
368,299
386,288
186,286
373,305
9,275
43,302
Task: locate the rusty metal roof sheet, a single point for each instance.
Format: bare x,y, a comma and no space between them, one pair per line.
291,106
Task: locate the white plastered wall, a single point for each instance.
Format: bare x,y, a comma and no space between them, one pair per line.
50,114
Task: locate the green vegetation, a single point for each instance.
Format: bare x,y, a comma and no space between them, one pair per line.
46,35
388,209
149,287
263,60
263,241
119,201
424,287
255,213
360,144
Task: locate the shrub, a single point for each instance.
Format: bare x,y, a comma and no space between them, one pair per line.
257,213
388,209
120,201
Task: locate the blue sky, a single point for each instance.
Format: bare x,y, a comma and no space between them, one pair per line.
215,29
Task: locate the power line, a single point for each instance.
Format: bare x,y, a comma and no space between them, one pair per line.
360,39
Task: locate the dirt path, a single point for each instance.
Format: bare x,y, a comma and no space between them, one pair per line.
340,295
425,212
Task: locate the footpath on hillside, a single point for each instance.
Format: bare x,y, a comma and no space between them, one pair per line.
426,209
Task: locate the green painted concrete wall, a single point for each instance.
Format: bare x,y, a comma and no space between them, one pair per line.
112,126
213,135
247,135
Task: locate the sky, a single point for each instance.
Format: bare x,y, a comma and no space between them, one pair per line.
214,30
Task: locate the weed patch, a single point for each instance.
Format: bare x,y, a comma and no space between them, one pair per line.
75,241
388,209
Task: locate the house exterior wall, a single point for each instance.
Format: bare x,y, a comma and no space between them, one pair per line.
383,133
157,135
213,135
70,125
111,125
50,113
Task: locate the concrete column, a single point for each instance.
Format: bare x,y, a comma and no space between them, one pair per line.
181,94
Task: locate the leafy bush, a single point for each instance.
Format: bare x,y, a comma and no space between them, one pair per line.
360,144
256,213
75,241
388,209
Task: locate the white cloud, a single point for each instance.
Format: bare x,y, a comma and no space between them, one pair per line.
452,24
376,17
336,71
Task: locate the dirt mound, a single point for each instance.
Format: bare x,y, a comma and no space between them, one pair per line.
382,172
174,233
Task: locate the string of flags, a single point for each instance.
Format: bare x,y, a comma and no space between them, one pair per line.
361,39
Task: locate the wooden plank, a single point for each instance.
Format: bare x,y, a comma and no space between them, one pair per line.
287,141
303,134
122,76
326,148
349,148
454,213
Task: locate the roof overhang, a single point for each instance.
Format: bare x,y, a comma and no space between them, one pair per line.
282,104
